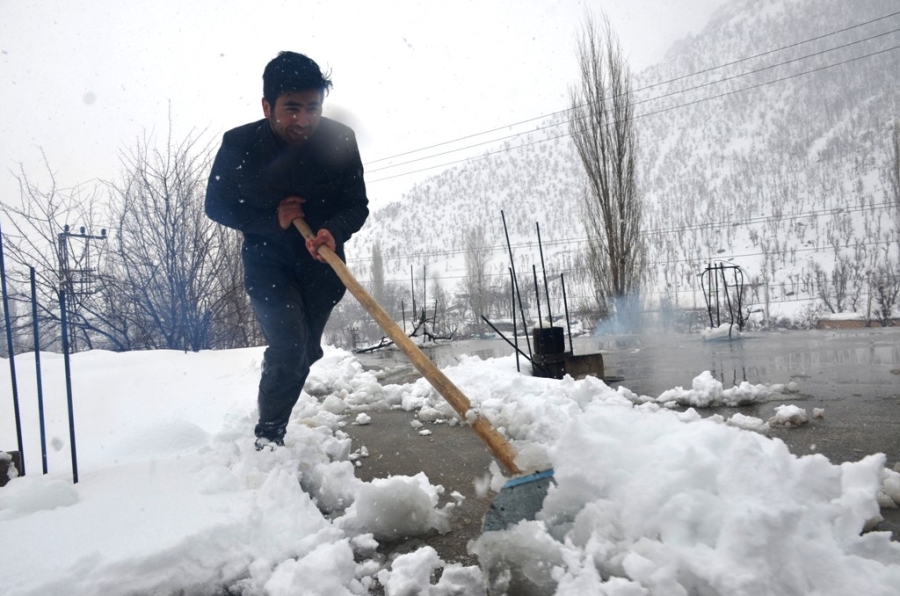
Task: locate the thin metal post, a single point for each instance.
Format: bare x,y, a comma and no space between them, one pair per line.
65,345
537,365
562,279
544,269
12,357
727,295
707,296
512,290
537,297
37,370
512,263
716,278
412,289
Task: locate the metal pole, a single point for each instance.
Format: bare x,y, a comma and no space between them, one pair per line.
512,290
739,282
12,357
537,297
716,277
412,288
727,295
707,297
516,284
522,314
500,333
37,369
562,279
65,344
544,270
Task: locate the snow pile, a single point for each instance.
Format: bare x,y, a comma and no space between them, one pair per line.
790,416
723,331
396,507
696,508
410,574
749,423
707,392
174,498
889,495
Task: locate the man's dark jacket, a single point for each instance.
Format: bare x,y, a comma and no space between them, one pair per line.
254,171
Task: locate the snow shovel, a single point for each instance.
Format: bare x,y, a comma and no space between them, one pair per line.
523,496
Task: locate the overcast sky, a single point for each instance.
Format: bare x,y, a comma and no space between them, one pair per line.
83,80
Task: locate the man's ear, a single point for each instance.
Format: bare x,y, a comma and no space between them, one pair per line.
267,109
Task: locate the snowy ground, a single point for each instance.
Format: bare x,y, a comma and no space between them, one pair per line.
173,498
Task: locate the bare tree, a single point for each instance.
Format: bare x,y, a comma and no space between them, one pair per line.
175,273
234,324
885,286
475,284
601,122
440,302
51,231
842,290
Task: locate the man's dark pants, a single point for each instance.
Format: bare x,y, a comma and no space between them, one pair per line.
292,312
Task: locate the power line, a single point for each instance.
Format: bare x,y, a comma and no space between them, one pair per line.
769,67
639,116
666,82
639,102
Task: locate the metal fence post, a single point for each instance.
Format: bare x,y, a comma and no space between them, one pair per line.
65,344
37,369
12,356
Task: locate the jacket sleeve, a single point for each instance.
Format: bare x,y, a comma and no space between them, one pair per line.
353,210
232,191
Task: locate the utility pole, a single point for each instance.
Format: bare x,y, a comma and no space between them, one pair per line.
78,265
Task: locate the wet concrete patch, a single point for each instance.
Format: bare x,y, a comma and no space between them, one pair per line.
851,374
452,456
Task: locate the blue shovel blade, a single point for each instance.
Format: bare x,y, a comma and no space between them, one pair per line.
519,500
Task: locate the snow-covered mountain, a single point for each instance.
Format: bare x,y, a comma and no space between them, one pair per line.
764,143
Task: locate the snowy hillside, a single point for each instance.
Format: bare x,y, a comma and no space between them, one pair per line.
764,142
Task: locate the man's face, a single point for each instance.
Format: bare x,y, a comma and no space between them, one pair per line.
295,116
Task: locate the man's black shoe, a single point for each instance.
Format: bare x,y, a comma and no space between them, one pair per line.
270,444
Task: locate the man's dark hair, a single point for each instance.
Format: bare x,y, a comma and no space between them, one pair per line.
290,72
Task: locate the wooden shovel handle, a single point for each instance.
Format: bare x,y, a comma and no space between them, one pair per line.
496,443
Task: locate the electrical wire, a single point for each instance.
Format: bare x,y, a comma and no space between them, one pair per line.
636,103
683,77
640,116
651,86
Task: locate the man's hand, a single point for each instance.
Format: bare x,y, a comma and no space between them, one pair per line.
290,209
323,237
